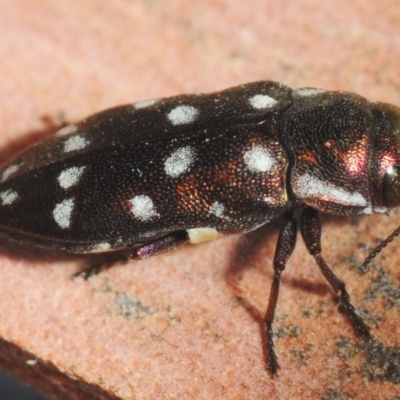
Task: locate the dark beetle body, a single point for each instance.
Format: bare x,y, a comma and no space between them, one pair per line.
152,175
127,158
238,159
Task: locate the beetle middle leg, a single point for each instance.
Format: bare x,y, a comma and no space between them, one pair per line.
284,248
311,231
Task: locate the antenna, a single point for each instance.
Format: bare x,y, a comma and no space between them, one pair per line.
378,249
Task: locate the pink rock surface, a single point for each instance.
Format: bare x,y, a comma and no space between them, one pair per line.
187,324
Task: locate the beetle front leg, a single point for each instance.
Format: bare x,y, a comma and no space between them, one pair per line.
311,231
284,248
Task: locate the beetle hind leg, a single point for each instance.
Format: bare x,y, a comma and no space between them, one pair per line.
161,245
145,250
311,232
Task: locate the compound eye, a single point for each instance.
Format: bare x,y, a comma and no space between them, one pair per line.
391,187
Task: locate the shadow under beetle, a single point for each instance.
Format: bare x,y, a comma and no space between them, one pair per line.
150,176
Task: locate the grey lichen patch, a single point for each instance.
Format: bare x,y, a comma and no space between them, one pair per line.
130,307
382,363
347,348
384,286
333,394
288,330
303,355
323,307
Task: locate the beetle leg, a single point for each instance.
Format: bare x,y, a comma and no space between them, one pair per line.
284,248
161,245
311,231
100,262
152,248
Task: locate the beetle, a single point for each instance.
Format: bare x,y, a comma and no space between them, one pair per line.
147,177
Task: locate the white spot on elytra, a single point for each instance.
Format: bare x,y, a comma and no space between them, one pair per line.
70,177
75,143
261,101
179,161
12,169
143,207
144,103
367,210
309,186
200,235
306,92
259,159
62,213
380,210
217,209
182,115
8,197
100,247
66,130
